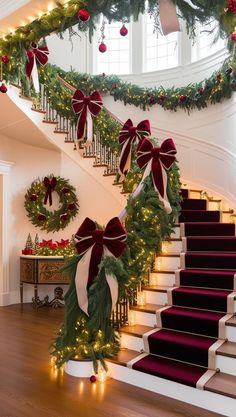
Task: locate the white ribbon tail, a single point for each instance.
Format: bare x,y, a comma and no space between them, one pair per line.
112,282
113,285
122,215
35,76
164,199
145,175
168,17
128,160
81,280
89,127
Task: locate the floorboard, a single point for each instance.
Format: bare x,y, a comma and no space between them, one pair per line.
29,387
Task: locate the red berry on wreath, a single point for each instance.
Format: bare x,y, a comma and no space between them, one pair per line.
41,217
5,59
93,378
64,216
71,206
65,190
124,31
231,7
33,197
3,88
83,15
201,91
102,47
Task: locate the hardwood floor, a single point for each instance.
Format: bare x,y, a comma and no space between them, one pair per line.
29,387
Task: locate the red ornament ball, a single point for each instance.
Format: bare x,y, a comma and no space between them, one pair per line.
233,36
231,7
102,47
218,77
201,91
83,15
3,88
182,98
152,100
124,31
41,217
64,217
93,378
5,59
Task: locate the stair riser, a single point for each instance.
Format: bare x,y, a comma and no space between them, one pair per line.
155,297
226,364
163,263
148,319
173,246
157,278
176,233
131,342
206,262
230,333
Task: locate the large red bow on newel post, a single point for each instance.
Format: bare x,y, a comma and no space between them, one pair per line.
156,161
86,107
92,245
128,135
50,185
39,54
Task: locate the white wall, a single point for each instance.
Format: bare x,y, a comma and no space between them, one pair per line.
30,163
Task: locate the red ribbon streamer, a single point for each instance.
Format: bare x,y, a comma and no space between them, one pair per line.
81,104
128,135
158,158
89,236
50,185
39,53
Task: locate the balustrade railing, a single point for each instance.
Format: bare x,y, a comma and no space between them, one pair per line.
102,154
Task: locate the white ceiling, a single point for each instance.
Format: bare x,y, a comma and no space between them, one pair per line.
15,13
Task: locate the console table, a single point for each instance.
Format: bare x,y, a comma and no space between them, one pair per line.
43,270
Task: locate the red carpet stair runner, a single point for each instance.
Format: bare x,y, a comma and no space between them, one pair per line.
190,329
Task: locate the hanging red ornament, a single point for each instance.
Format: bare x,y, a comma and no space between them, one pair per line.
124,31
5,59
3,88
218,77
33,197
231,6
83,15
201,91
233,36
93,378
102,47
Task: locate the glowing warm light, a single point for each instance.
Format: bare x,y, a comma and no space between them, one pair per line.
153,280
31,18
141,298
164,247
40,14
50,7
102,374
81,388
158,264
132,318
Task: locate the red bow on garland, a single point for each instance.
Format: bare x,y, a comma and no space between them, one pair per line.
156,161
50,185
86,107
36,53
93,244
128,135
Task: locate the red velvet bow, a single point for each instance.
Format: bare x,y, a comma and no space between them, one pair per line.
81,105
89,236
40,53
158,158
45,243
50,185
127,136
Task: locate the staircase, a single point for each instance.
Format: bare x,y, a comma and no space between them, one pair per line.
183,344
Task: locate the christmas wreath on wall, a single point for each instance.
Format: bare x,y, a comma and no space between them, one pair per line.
40,194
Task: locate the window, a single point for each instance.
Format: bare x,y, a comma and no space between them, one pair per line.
204,44
116,60
160,52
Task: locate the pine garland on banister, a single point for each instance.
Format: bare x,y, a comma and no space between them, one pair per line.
212,90
13,46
